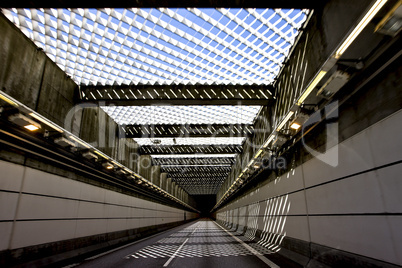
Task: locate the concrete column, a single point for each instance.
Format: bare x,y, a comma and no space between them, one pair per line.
181,193
156,175
144,166
172,189
168,185
163,181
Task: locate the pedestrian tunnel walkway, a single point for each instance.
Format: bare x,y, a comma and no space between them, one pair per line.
224,134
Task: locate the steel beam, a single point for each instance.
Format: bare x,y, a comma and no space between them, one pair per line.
188,130
140,95
194,161
191,149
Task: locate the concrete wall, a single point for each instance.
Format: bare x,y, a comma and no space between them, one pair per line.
39,209
28,75
348,214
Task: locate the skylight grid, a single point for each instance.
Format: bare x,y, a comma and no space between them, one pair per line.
163,46
193,155
144,115
191,141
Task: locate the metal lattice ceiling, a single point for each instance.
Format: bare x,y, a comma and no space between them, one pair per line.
207,46
164,46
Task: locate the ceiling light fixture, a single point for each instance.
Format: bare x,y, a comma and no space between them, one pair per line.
64,142
101,154
31,127
23,121
258,154
284,120
269,140
107,165
333,84
362,24
298,121
89,155
47,122
310,88
79,141
391,24
5,98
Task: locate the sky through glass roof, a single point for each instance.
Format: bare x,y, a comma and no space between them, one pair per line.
163,46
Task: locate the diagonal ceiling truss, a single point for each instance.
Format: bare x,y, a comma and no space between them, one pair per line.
188,130
182,150
140,95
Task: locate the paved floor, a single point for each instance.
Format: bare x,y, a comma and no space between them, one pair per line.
198,244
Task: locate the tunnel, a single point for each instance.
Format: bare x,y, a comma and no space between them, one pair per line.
200,133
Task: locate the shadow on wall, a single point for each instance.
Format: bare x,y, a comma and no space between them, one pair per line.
267,228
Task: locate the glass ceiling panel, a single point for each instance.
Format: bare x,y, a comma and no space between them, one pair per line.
164,46
192,141
127,115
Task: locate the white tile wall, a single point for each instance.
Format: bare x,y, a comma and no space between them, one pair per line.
5,233
41,207
11,176
385,139
364,235
8,205
360,194
390,184
29,233
40,182
90,227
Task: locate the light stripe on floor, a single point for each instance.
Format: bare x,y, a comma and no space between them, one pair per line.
253,251
174,254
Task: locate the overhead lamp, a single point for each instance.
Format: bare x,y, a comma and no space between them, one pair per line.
107,165
310,88
251,163
64,142
5,98
333,84
47,122
280,140
391,24
269,140
23,121
120,172
89,155
258,154
31,127
298,121
257,165
284,120
101,154
362,24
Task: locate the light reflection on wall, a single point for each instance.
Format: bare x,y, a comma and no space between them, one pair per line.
271,224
